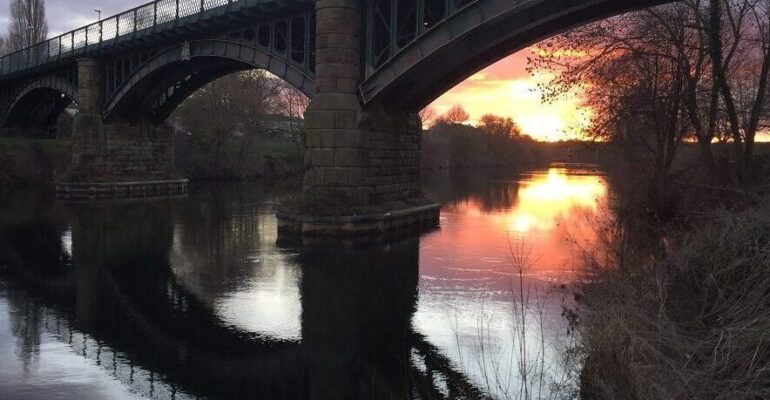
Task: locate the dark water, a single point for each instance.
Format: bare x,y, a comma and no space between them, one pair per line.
192,298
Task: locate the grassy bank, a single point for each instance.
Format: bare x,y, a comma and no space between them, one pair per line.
32,163
686,318
236,158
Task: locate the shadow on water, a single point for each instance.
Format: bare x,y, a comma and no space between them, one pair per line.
100,278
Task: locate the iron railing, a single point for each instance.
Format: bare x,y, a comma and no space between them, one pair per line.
129,22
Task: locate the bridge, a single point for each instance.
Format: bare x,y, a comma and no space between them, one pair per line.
368,66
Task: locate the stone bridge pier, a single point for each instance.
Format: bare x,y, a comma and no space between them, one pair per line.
116,158
362,163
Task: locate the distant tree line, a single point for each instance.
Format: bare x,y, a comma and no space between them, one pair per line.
450,143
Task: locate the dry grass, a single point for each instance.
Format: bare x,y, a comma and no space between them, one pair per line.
690,322
524,362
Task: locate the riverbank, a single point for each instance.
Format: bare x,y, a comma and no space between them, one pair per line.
35,164
673,301
686,322
32,164
236,158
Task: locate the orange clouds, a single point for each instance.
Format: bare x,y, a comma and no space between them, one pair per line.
506,89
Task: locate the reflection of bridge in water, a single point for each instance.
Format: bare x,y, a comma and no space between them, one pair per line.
115,301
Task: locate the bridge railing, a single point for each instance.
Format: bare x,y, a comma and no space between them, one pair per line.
144,17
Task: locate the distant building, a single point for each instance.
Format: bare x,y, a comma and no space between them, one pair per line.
282,126
276,126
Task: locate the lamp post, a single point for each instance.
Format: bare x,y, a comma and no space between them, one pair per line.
30,32
99,21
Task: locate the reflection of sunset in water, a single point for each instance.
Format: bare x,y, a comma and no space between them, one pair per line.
544,199
467,279
468,283
545,210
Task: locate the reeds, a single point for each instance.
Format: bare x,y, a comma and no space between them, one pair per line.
689,322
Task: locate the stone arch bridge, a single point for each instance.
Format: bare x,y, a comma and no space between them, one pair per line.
368,66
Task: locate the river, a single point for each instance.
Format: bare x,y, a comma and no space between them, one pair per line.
192,298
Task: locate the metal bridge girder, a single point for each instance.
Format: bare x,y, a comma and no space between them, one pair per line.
239,55
472,35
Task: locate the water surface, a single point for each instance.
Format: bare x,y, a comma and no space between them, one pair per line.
193,298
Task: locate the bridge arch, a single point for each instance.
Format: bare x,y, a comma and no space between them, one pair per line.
444,52
164,81
40,102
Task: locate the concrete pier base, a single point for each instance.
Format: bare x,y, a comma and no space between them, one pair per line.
387,226
81,191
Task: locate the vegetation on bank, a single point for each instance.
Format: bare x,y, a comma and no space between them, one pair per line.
32,163
689,322
242,126
674,301
449,143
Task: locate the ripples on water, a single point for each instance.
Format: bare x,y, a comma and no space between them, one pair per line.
192,298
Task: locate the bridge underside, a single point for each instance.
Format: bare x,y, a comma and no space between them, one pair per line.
37,114
415,57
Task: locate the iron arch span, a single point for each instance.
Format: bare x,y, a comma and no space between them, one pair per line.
410,63
39,103
164,81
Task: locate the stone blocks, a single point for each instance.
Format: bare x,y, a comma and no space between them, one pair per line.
122,152
364,157
115,151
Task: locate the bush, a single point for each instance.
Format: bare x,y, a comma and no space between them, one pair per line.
32,162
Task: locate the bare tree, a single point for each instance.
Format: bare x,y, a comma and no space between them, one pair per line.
455,115
707,62
2,45
633,78
293,104
28,24
739,43
228,117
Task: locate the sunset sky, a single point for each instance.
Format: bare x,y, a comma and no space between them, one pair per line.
507,89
